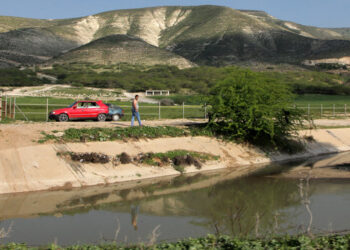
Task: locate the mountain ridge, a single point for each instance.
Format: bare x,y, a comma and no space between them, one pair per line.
206,34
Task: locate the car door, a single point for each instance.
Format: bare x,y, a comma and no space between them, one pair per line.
79,110
93,109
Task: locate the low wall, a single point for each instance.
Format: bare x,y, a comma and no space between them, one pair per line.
38,167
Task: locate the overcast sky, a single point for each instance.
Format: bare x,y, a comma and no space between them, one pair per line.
322,13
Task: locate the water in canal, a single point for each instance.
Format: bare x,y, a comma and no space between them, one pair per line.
176,208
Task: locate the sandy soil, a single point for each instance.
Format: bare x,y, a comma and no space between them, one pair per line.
332,122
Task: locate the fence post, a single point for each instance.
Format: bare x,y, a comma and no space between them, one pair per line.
333,110
345,110
183,110
10,108
159,110
47,109
308,111
14,109
321,110
0,107
5,107
205,110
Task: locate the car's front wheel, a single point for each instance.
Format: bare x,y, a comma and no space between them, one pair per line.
115,117
63,118
101,117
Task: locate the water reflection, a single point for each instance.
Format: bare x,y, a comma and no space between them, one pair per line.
180,207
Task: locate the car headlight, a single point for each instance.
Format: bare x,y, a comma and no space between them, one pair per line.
53,112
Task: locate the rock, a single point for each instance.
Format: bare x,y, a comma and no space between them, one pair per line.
84,138
116,161
90,157
166,160
125,158
186,160
35,164
197,164
167,102
179,160
189,160
158,161
59,134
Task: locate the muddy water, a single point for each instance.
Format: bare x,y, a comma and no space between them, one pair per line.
181,207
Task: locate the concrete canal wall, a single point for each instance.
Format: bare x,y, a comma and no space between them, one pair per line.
39,167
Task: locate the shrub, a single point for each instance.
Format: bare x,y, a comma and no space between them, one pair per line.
167,102
246,107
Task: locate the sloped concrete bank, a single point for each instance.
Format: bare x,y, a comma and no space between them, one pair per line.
38,167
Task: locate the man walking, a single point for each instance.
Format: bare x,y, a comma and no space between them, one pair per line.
135,111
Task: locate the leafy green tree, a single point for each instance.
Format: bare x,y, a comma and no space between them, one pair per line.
248,107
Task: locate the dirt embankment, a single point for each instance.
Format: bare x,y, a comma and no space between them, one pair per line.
26,165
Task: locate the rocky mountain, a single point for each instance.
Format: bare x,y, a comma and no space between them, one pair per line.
210,35
31,46
122,49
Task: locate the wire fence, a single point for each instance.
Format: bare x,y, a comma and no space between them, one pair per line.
331,111
23,109
18,110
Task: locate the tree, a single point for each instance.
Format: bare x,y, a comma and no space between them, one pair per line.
247,107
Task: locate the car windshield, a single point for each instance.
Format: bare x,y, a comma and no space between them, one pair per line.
70,106
112,106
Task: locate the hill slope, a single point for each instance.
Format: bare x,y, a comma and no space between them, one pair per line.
212,35
31,45
122,49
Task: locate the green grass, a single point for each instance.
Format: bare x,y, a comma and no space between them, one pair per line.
322,99
325,106
218,242
187,99
7,121
118,133
111,134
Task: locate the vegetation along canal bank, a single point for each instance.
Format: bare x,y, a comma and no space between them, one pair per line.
79,157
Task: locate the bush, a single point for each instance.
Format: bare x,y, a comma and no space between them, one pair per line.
167,102
248,108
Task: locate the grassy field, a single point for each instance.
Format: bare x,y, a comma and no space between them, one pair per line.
322,99
34,108
324,106
317,106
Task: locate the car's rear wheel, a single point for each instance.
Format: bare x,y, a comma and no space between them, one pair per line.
63,118
101,117
115,117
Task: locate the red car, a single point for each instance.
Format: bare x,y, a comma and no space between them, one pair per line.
85,110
